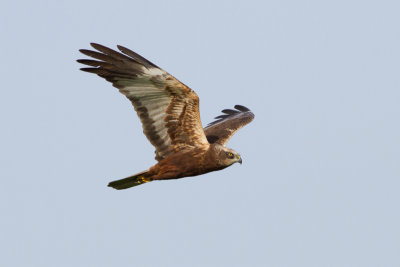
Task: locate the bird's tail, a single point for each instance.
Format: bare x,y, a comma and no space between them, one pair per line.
134,180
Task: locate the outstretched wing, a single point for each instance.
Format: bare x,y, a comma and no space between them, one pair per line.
226,125
168,109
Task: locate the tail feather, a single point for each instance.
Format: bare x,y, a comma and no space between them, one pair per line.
134,180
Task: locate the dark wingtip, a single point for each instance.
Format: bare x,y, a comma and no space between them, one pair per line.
87,52
229,111
87,62
96,45
121,47
91,70
241,108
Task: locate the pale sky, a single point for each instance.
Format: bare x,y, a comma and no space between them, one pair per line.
319,184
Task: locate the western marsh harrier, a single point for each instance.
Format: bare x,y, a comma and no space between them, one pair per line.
169,112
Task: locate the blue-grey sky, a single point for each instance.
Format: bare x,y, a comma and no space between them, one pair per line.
319,184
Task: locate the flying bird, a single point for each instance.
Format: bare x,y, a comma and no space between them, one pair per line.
169,113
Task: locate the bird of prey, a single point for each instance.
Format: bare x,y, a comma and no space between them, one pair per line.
169,112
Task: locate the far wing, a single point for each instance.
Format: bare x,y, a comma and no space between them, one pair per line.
168,109
227,124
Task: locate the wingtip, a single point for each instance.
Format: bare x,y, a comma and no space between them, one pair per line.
121,47
87,52
229,111
94,45
103,49
241,108
125,50
90,70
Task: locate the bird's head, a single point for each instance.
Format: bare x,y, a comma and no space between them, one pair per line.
229,156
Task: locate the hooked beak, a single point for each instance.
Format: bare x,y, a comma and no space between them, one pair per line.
239,159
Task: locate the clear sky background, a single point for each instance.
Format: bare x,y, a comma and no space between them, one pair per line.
319,184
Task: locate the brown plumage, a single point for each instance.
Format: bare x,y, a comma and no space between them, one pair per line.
169,112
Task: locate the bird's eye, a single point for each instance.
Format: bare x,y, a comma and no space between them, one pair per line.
229,155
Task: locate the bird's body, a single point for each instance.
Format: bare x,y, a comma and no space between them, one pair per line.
169,112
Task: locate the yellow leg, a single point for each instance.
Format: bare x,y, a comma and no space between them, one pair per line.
142,180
